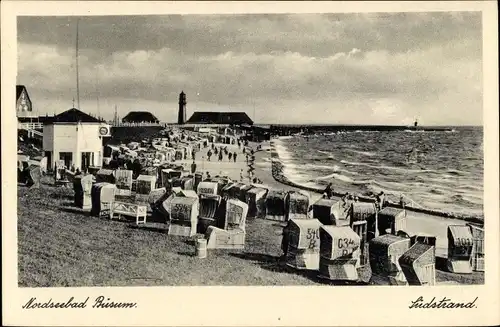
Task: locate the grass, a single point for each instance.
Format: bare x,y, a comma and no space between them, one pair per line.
59,245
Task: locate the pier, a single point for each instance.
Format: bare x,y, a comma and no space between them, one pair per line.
290,129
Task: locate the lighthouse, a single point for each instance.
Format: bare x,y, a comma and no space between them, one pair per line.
181,120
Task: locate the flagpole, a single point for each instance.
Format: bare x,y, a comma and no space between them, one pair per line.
77,72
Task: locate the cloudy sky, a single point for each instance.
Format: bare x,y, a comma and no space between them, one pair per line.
303,68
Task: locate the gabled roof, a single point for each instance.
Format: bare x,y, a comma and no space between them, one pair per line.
74,115
139,116
212,117
19,90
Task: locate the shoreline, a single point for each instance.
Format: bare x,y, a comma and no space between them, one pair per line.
278,174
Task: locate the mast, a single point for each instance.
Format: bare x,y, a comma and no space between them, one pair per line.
77,72
97,90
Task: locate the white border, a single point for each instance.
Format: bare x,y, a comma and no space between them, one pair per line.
319,305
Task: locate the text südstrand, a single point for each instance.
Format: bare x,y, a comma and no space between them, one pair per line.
444,303
99,302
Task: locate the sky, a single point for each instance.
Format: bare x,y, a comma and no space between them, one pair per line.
338,68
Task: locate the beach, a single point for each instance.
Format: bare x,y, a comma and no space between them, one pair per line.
60,245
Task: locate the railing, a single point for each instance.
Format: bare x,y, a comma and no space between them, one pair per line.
29,126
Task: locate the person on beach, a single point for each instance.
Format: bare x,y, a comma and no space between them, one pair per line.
402,201
221,156
380,200
216,151
241,175
230,156
243,150
234,156
329,191
209,154
377,202
193,167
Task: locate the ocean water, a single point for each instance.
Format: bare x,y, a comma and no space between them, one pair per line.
433,169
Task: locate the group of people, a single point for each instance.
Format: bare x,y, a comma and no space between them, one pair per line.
221,152
251,177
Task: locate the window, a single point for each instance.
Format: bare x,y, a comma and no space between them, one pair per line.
67,157
87,160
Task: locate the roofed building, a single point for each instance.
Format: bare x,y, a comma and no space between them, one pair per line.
140,117
74,138
219,118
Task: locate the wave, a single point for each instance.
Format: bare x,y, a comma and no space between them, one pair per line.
457,172
336,176
437,191
402,169
364,153
462,199
367,183
334,168
329,154
470,187
282,152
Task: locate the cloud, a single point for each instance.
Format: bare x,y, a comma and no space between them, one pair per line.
340,68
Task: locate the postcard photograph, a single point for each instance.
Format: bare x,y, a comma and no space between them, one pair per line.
337,149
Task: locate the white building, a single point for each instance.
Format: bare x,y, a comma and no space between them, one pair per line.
75,138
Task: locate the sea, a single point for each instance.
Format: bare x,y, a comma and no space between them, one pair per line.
440,170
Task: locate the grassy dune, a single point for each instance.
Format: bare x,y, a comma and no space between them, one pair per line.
60,245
